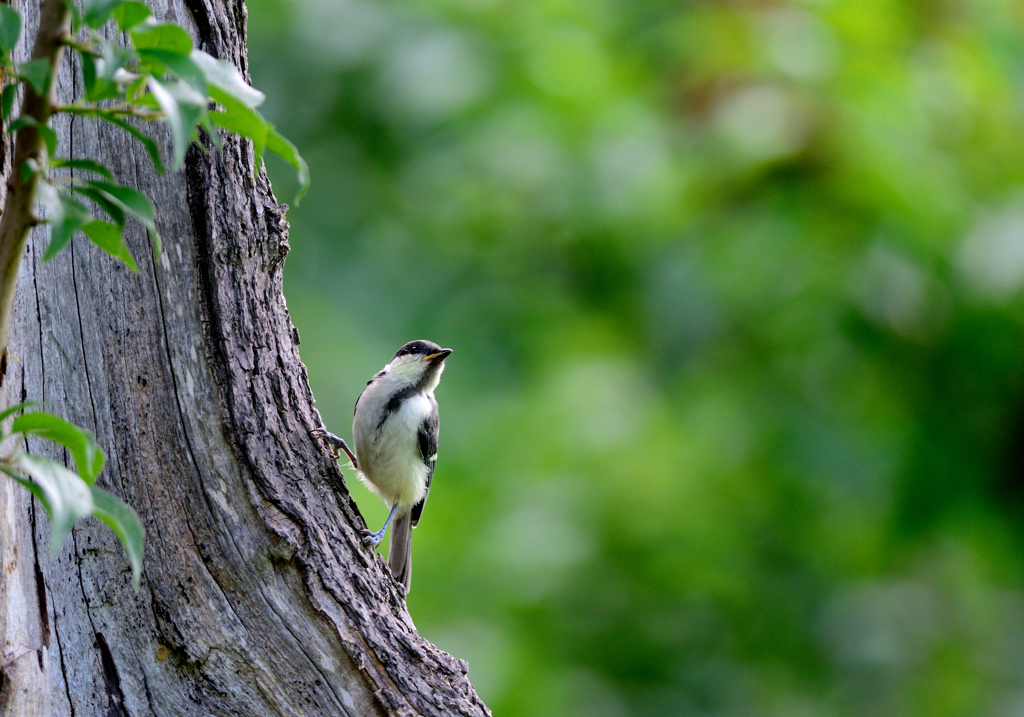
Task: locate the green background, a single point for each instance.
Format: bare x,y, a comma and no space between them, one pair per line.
732,424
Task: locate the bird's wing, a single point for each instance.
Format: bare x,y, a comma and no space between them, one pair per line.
428,452
375,377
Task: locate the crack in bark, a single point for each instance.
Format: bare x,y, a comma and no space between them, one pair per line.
65,678
44,614
114,696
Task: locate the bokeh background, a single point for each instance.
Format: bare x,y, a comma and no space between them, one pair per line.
735,421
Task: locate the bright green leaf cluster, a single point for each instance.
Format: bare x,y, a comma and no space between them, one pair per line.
66,495
162,72
159,77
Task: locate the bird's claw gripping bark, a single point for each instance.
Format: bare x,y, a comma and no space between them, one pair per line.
336,443
370,538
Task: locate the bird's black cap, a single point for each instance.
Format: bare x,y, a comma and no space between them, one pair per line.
422,348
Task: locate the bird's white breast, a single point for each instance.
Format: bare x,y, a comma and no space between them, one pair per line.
389,452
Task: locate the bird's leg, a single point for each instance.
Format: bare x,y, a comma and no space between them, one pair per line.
335,442
375,538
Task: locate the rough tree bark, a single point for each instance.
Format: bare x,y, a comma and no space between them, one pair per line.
257,597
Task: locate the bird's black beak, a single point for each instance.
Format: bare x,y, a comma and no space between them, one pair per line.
439,356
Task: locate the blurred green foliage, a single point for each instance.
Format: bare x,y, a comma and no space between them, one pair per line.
734,421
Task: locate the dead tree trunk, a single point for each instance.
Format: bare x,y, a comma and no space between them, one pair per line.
257,597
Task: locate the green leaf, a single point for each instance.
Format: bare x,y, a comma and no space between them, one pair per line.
284,149
108,237
37,74
88,73
21,122
81,443
89,165
33,488
126,525
73,217
113,209
153,35
151,147
64,215
7,98
243,120
10,28
99,73
181,66
48,135
130,200
49,138
226,77
8,412
182,107
29,167
96,12
65,495
131,13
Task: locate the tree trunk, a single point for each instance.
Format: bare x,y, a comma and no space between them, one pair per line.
257,597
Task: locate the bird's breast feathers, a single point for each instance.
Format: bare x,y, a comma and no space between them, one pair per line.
388,450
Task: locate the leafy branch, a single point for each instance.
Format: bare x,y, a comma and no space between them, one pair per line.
158,77
67,495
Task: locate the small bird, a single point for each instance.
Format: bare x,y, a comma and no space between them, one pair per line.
394,432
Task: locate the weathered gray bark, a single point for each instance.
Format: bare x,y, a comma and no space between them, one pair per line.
257,597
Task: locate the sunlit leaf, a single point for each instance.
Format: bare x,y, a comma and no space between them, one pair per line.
8,412
243,120
182,106
181,66
65,495
226,77
126,525
81,443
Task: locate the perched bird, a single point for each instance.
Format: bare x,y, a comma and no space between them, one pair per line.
395,437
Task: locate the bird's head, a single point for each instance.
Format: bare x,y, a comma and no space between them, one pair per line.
419,363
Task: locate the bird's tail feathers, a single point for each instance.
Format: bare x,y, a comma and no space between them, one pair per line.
400,549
